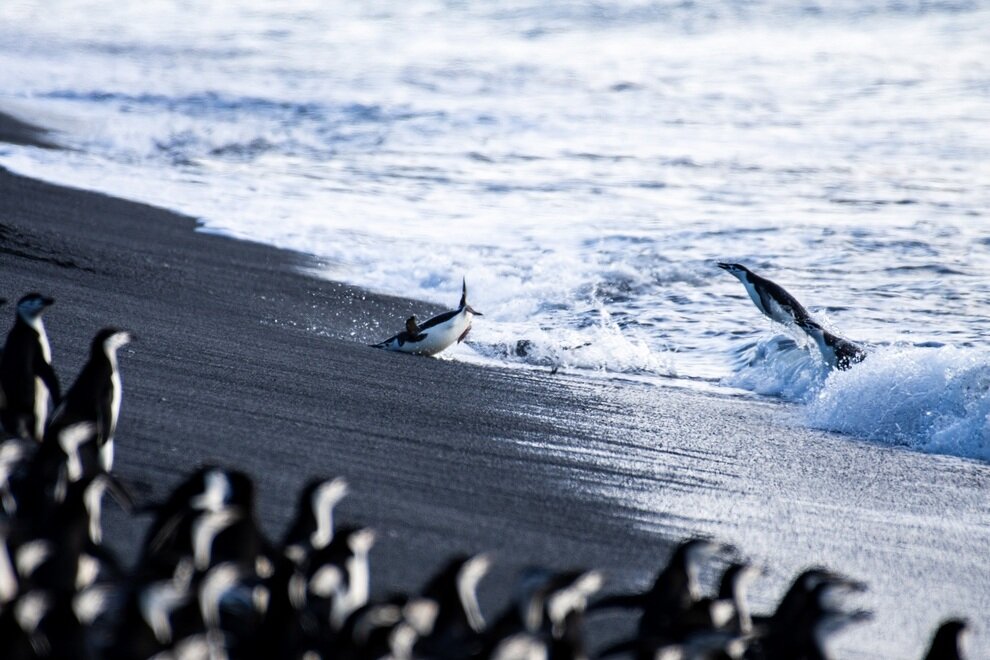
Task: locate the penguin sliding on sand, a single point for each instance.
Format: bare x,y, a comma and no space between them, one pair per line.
26,375
95,396
780,306
436,334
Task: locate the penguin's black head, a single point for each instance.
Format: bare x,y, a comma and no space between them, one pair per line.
319,496
736,269
108,340
33,304
948,639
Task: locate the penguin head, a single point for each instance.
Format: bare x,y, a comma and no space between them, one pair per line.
735,579
569,595
738,270
31,306
313,525
109,340
464,303
949,640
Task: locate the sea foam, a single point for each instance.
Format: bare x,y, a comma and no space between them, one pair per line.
932,399
929,399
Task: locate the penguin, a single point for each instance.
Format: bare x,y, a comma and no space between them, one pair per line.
675,589
336,583
780,306
388,629
947,642
732,589
95,396
671,606
806,628
799,594
67,552
312,528
210,491
27,378
435,335
459,625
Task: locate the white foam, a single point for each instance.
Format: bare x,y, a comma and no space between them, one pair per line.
778,366
928,399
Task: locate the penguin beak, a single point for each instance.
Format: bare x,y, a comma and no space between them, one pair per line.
47,302
724,266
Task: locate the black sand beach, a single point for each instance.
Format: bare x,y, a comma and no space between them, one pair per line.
245,360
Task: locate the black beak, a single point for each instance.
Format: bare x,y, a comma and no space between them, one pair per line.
724,266
47,302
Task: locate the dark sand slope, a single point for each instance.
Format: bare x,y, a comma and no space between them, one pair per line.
243,360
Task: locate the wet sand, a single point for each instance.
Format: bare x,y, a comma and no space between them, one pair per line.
244,359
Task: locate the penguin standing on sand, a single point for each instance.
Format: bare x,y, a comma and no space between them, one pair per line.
436,334
26,375
780,306
95,396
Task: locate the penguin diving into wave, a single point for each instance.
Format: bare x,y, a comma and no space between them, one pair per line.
780,306
435,335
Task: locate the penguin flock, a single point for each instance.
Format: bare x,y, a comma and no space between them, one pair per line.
207,582
837,352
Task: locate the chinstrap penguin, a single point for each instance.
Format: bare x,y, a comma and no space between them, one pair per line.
435,335
780,306
96,394
26,375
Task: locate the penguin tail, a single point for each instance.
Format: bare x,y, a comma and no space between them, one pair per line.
464,303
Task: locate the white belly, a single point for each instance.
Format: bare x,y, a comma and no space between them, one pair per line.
40,408
114,403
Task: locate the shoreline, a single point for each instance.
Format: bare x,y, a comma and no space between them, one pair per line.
445,456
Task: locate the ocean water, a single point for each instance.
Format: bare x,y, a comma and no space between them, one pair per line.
583,165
